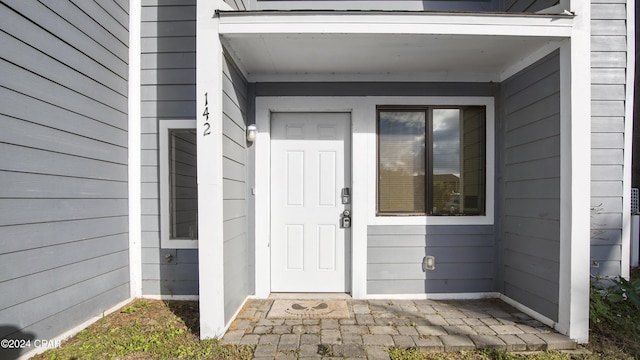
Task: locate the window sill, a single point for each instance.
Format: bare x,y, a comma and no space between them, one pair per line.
431,220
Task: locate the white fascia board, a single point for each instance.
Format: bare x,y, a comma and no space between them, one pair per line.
628,142
449,24
134,154
209,60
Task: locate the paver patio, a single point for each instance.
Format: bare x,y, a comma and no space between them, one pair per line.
374,325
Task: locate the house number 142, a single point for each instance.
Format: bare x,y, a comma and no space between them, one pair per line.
205,114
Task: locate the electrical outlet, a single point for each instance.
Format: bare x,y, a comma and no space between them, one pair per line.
428,263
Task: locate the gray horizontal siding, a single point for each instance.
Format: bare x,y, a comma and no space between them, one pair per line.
237,264
168,80
63,165
464,258
433,5
529,210
608,84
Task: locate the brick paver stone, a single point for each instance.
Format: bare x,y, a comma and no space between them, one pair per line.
383,330
436,320
365,319
265,351
233,337
431,330
331,336
513,342
360,308
282,329
403,341
307,350
349,351
354,329
377,353
352,339
506,329
459,330
557,341
329,324
377,340
250,339
534,343
488,342
483,330
289,342
428,343
457,342
309,339
269,339
407,330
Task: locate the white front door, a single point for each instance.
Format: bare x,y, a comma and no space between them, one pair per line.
310,167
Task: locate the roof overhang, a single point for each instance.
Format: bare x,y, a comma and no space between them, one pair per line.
379,46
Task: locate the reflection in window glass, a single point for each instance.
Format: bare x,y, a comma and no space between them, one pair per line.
183,186
446,161
402,161
432,161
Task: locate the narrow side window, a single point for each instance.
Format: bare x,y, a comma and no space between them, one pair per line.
178,184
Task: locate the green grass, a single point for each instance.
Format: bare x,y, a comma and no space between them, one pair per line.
147,329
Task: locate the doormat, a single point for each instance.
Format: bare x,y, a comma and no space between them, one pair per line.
308,309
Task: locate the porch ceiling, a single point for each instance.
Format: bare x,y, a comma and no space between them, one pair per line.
325,47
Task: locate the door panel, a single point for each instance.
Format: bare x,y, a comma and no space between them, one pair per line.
310,166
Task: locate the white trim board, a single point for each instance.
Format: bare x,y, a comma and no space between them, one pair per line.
135,152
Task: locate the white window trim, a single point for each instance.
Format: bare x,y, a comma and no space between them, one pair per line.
486,219
163,132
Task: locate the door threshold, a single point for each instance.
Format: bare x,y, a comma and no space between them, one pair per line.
310,296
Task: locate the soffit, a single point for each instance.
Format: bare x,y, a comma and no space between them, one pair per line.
271,47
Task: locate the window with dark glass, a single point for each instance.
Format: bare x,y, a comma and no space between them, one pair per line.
431,160
183,185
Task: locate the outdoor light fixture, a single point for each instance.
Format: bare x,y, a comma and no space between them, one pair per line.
252,132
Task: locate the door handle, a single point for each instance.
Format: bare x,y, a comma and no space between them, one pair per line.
345,221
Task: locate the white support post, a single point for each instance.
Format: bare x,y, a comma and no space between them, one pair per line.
575,175
134,156
209,132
